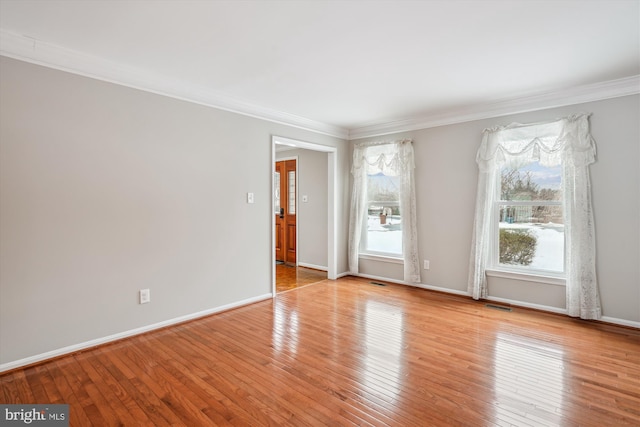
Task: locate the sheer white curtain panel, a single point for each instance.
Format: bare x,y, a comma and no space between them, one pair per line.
565,141
394,159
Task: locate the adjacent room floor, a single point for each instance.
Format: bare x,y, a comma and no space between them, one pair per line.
292,277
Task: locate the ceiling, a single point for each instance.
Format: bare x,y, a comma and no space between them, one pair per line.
346,68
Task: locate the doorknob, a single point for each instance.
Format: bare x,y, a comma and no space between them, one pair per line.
281,212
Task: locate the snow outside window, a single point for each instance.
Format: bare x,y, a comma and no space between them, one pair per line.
529,236
382,232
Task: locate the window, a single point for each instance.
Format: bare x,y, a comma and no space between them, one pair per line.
533,204
383,219
382,222
529,215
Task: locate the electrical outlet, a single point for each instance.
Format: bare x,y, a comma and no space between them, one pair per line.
145,296
426,264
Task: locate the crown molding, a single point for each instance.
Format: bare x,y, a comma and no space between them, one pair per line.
576,95
35,51
28,49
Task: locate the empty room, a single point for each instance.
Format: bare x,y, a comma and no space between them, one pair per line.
313,212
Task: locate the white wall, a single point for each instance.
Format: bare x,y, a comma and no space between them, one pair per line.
446,179
105,190
312,215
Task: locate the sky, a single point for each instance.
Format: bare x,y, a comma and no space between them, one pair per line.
544,176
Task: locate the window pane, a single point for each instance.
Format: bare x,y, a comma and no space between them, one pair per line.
276,191
292,193
532,237
384,222
532,181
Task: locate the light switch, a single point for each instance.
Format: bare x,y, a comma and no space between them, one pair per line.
250,198
305,198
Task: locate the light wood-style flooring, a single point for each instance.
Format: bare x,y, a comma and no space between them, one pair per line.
348,352
291,277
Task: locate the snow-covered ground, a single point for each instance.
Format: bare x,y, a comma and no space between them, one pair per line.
386,237
550,247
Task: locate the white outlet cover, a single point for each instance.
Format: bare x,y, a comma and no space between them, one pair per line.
145,296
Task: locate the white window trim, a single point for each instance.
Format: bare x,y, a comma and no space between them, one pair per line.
379,255
533,276
514,272
374,256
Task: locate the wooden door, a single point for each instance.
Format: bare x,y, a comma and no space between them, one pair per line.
285,206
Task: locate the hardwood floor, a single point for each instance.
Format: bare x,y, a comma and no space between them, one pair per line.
288,277
348,352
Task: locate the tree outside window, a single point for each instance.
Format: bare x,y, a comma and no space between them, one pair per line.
529,216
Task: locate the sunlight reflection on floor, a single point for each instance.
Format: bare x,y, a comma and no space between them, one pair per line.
528,381
384,342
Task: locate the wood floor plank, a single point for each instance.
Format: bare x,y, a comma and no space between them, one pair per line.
234,368
347,352
226,380
109,404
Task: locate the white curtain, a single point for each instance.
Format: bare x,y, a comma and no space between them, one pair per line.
393,158
565,141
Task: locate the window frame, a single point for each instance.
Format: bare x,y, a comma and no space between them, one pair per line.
363,250
514,271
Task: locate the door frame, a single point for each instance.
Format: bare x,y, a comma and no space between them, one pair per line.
331,203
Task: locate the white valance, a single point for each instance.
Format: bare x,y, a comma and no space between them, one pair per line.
548,142
392,159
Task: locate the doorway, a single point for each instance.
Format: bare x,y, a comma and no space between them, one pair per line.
330,203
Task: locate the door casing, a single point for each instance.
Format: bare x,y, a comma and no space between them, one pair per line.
331,203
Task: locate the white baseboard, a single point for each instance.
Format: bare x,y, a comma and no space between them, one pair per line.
607,319
104,340
382,279
621,322
415,285
440,289
528,305
315,267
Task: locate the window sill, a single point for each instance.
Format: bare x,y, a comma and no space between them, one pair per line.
528,277
383,258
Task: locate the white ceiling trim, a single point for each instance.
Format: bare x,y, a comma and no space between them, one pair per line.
38,52
577,95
